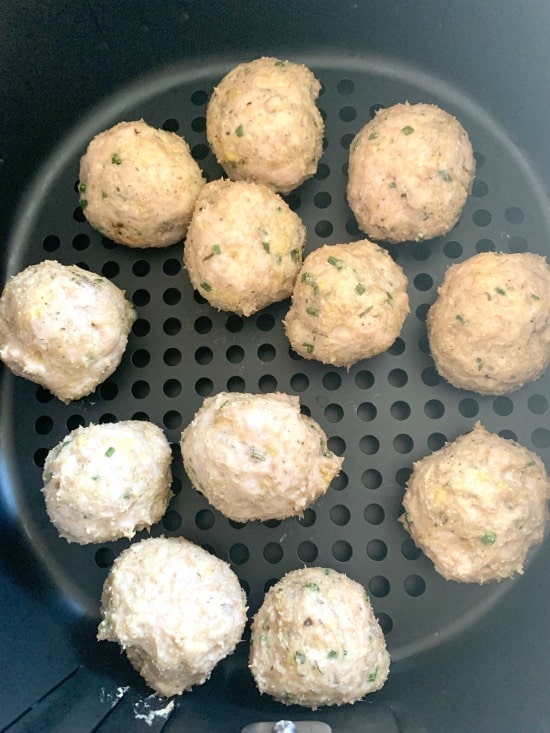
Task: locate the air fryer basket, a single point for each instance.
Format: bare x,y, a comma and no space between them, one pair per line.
456,649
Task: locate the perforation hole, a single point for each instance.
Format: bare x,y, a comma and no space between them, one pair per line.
347,114
323,171
172,267
434,409
403,475
308,519
333,413
43,425
171,125
537,404
541,438
340,515
374,108
367,411
377,550
324,228
172,388
39,457
51,243
141,297
342,551
371,479
81,242
422,311
482,217
203,325
409,550
234,323
332,381
337,445
266,352
430,377
171,296
403,443
307,551
340,482
480,188
364,379
400,410
75,421
397,348
379,586
172,326
236,384
345,86
267,383
423,282
374,514
414,586
199,97
398,378
108,391
141,327
43,395
203,355
514,215
299,382
234,354
204,386
503,406
172,357
386,623
436,441
239,553
508,434
485,245
517,245
468,407
200,151
172,521
369,445
322,200
141,268
420,251
198,124
346,140
104,557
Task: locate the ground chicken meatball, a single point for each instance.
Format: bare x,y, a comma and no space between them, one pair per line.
489,329
411,170
263,125
477,506
138,185
175,609
349,303
315,641
244,246
63,327
108,481
256,456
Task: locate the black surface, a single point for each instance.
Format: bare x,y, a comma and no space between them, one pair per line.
58,60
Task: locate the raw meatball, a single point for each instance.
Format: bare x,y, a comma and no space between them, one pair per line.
263,125
489,329
477,506
256,456
348,304
63,327
411,170
244,246
175,609
315,641
138,185
108,481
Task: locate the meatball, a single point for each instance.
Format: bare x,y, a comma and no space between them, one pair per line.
104,482
138,185
256,456
315,641
244,246
349,303
489,329
411,170
477,506
175,609
63,327
263,125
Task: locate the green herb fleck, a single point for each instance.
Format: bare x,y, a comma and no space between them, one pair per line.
445,175
300,657
295,255
110,451
239,132
373,675
373,135
312,586
95,477
489,538
407,130
308,347
82,188
98,280
336,262
500,291
83,203
328,454
390,298
459,318
535,297
256,455
278,259
263,638
309,279
408,521
103,195
216,249
367,597
528,465
116,159
281,63
47,477
479,362
266,246
206,286
359,289
332,654
392,184
327,571
312,311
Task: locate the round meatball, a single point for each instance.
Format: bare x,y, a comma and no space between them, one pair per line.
263,125
244,246
315,641
411,170
477,506
175,609
349,303
108,481
63,327
138,185
489,329
256,456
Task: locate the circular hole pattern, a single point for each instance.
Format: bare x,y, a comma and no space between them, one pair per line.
340,482
171,296
172,357
104,557
266,352
171,266
81,242
414,586
333,413
345,86
374,514
323,171
398,378
517,244
503,406
409,550
239,553
403,443
430,377
323,228
171,125
377,550
371,479
51,243
172,326
203,325
332,381
40,456
346,140
468,407
43,425
199,124
340,515
514,215
537,404
172,388
308,518
485,245
403,475
322,200
172,419
336,445
307,551
141,297
342,551
397,348
541,438
364,379
108,391
400,410
434,409
267,383
75,421
386,623
299,382
236,384
234,323
452,250
347,114
203,355
369,445
436,441
423,281
482,217
234,354
379,586
480,188
366,411
204,386
273,553
171,521
141,327
199,97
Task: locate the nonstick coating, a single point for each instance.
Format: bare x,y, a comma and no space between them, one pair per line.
382,414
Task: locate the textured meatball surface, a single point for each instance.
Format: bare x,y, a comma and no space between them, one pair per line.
103,482
138,185
263,125
63,327
175,609
489,328
477,506
411,170
349,303
244,246
256,456
316,641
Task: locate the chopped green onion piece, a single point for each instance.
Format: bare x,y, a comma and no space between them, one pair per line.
110,451
206,286
82,188
445,175
390,298
359,289
407,130
459,318
309,348
535,297
392,184
116,159
216,249
256,455
95,477
312,586
500,291
528,465
266,246
295,255
373,135
300,657
373,675
239,132
83,203
479,362
281,63
48,477
332,654
489,538
336,262
312,311
308,278
103,195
